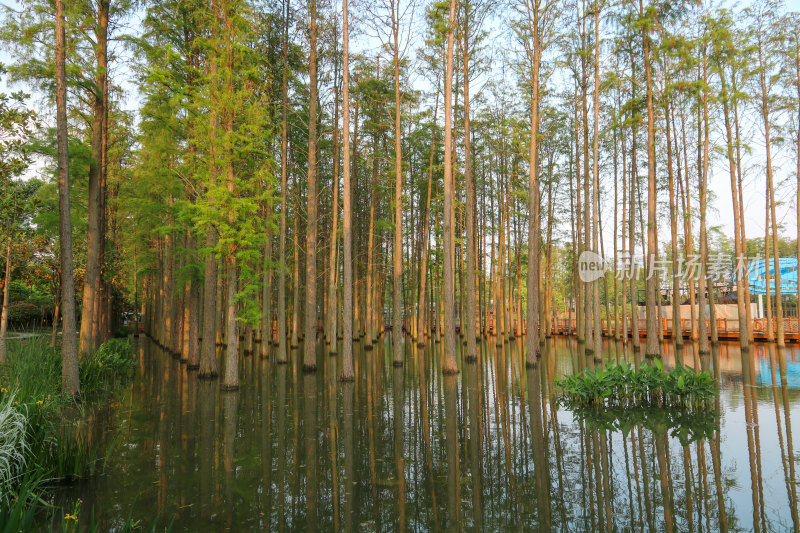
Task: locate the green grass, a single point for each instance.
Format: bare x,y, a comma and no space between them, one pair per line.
622,386
39,443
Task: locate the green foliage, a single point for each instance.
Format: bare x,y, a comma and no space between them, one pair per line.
123,332
114,359
18,513
622,386
16,122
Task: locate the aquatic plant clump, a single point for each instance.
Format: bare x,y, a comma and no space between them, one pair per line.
622,386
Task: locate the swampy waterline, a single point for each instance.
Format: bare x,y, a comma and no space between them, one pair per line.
411,448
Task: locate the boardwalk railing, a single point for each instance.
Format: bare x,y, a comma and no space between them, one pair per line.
727,328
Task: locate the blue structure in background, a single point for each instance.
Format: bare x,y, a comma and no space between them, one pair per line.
792,374
757,271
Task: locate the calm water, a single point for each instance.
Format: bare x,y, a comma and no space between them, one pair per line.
406,449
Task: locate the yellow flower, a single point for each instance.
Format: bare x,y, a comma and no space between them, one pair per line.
70,517
40,402
3,389
14,403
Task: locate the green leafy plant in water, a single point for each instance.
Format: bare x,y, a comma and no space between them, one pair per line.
622,386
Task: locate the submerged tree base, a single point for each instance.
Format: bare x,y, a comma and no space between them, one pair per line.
207,375
308,369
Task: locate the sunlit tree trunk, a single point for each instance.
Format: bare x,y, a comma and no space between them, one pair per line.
231,379
580,311
423,327
468,324
397,248
703,125
208,354
764,71
310,337
95,200
295,340
369,303
588,296
6,292
347,373
737,223
597,337
687,231
266,289
281,340
70,383
532,308
450,365
677,333
632,219
333,266
652,346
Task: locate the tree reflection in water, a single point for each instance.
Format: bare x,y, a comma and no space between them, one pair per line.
410,449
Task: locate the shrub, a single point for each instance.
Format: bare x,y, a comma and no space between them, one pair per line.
123,332
116,355
23,314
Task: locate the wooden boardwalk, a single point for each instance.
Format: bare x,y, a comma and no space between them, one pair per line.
727,328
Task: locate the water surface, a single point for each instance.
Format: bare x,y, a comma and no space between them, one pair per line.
408,449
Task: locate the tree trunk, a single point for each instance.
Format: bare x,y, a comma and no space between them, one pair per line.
632,216
6,291
397,248
266,291
652,346
333,266
95,229
208,355
597,337
70,383
677,333
231,379
422,326
295,341
369,302
744,341
347,297
310,337
450,365
765,114
281,340
702,329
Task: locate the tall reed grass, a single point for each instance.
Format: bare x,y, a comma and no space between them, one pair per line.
39,444
13,445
